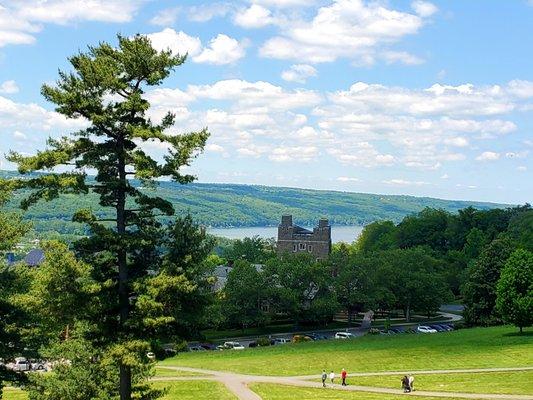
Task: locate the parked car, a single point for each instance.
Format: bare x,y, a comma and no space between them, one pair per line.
150,355
252,344
396,330
447,327
301,338
344,335
195,347
426,329
38,365
438,328
208,346
317,336
281,340
232,346
20,364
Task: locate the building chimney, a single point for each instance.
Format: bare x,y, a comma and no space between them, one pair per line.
286,220
323,223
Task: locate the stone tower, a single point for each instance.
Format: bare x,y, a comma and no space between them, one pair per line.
294,239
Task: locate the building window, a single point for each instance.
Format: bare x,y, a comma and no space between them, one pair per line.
294,248
310,248
302,246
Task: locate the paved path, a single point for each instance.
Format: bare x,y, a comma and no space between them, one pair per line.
238,383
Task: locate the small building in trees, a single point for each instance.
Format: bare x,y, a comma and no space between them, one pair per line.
295,239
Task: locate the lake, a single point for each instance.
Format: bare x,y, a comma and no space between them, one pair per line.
338,233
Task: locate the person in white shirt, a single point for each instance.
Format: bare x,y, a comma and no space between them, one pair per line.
332,376
411,383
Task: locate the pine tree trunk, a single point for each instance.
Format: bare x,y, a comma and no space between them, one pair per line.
125,371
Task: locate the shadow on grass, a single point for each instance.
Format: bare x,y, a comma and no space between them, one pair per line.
518,334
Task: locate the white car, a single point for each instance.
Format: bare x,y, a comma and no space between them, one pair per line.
281,340
425,329
344,335
20,364
233,346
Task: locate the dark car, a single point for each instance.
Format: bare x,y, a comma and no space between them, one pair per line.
252,344
447,327
396,330
195,347
208,346
317,336
438,328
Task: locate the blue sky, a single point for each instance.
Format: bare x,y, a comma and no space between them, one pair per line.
397,97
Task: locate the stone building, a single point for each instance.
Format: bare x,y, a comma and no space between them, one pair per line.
294,239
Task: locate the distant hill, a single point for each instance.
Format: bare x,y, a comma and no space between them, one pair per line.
226,205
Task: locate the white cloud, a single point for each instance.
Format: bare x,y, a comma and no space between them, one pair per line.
21,20
18,135
206,12
344,29
403,182
521,168
9,87
401,57
370,126
488,156
255,16
221,50
178,42
517,154
285,3
215,148
166,17
424,8
445,176
457,141
293,153
299,73
18,117
348,179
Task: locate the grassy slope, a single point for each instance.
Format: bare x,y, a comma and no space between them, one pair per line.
192,390
469,348
247,205
516,382
280,392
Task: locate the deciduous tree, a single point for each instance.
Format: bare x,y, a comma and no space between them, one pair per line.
514,290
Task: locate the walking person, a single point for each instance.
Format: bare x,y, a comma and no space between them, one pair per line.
343,376
324,377
411,380
332,376
405,384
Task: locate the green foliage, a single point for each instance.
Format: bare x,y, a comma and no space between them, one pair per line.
59,292
521,229
299,286
254,250
379,235
243,296
479,291
515,289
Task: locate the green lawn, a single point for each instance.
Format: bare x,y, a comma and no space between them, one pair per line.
163,372
467,348
183,390
14,394
195,390
280,392
516,382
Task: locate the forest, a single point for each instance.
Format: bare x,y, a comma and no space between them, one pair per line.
231,205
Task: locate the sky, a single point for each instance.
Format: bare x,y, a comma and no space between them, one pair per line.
395,97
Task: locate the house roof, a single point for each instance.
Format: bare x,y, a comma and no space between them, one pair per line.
34,258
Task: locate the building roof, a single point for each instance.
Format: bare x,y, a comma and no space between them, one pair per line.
301,231
34,258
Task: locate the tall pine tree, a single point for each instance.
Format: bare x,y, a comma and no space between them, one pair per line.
105,88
